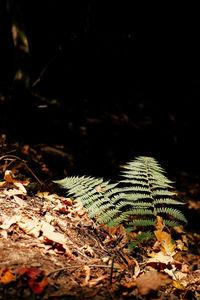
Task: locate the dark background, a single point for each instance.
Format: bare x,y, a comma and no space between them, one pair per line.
123,80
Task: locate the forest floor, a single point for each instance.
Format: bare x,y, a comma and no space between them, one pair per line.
50,249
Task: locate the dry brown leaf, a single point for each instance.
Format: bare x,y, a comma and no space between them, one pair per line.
87,250
177,285
50,197
180,245
51,237
30,226
4,234
13,192
20,187
176,275
151,281
10,221
160,257
19,201
78,209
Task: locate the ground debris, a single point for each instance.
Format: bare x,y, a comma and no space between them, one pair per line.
51,248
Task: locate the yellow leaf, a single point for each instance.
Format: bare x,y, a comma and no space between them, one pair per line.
166,244
177,285
159,223
160,257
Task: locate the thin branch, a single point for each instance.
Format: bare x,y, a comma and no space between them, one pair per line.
80,266
111,270
14,157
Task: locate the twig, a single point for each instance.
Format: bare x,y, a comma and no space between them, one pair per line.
80,266
14,157
111,270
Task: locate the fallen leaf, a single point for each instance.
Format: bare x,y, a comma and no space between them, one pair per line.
35,278
151,281
21,187
8,176
6,276
87,250
129,285
12,192
159,223
54,238
46,195
2,183
176,275
166,243
177,285
19,201
160,257
30,226
4,234
180,245
10,221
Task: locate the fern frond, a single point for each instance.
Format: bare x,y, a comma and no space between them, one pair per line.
143,222
167,201
172,212
107,216
145,236
129,203
144,191
170,223
156,193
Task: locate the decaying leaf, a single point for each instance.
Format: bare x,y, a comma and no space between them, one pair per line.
8,176
35,278
54,238
9,221
87,250
151,281
29,226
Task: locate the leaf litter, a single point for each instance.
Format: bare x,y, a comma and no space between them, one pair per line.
49,247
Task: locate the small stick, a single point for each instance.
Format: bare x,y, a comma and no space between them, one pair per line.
80,266
111,270
23,161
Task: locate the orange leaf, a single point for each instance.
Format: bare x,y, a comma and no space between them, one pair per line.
8,176
6,276
159,223
166,243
